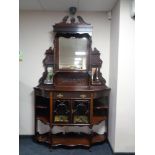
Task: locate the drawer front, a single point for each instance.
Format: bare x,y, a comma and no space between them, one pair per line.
71,95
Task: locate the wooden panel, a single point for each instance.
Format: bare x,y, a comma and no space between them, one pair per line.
71,79
98,119
71,139
42,93
101,94
68,140
98,138
44,119
71,95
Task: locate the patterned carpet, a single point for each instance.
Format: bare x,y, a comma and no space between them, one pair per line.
28,147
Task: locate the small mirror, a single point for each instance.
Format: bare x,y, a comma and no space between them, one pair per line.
73,53
49,77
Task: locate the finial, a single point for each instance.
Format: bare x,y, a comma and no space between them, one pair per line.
72,10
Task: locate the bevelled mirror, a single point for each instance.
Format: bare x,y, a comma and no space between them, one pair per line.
73,53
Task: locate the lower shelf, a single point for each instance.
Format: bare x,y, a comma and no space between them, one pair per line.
44,119
70,139
98,119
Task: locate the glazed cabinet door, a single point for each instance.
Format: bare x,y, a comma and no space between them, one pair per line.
80,111
62,111
72,108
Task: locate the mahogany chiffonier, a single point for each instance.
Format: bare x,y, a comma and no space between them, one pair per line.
72,91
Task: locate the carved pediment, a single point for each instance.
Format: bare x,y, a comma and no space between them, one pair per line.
73,24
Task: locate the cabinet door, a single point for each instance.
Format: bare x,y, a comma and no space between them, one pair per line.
61,111
80,109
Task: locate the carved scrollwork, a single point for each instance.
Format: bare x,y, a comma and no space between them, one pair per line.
72,24
81,20
49,58
71,20
96,64
76,35
95,58
64,20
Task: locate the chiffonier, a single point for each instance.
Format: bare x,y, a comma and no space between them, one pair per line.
71,91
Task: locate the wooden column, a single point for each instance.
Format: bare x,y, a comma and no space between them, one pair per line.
35,121
91,119
51,117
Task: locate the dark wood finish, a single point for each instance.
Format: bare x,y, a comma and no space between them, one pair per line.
45,120
91,109
70,139
35,119
51,108
42,138
71,26
98,119
76,97
70,79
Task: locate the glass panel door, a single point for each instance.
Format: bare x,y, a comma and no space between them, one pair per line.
61,111
81,111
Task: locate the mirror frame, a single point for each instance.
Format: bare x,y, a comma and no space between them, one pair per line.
69,35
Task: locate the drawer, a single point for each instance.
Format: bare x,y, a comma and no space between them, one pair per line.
72,95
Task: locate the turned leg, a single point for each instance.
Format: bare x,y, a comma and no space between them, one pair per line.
50,141
90,137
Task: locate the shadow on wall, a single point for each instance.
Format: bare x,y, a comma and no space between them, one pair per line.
26,109
51,33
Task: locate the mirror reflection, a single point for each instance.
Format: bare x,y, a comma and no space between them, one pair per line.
73,53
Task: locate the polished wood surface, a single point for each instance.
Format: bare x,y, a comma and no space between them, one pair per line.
70,139
43,119
51,109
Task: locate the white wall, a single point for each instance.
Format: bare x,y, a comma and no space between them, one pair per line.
122,122
125,133
35,38
114,40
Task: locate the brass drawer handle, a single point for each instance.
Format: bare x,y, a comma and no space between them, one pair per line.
60,95
83,96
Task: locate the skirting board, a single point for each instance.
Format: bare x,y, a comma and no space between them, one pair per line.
124,153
